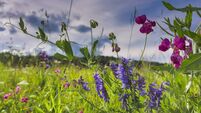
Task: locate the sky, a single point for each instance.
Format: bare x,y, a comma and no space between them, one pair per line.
112,16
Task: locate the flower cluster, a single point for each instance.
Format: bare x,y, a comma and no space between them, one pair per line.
155,94
102,92
141,85
43,56
179,45
83,83
124,100
146,24
66,85
15,92
24,100
123,72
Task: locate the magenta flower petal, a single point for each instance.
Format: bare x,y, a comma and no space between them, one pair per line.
176,59
140,19
180,42
165,45
146,28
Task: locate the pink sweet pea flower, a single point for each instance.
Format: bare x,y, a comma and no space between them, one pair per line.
176,59
6,96
24,100
141,19
179,42
57,71
165,45
17,89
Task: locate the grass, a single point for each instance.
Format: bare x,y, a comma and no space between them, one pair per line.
46,93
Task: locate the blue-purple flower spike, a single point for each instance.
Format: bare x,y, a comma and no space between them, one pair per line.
124,101
83,83
155,94
114,68
126,83
141,85
102,92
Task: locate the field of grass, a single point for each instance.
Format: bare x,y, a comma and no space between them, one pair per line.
46,92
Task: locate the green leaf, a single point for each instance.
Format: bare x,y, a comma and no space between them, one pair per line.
198,13
68,50
39,110
168,5
192,63
60,56
85,52
23,83
22,27
42,34
93,50
188,18
66,47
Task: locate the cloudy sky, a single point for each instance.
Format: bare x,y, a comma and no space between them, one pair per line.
112,15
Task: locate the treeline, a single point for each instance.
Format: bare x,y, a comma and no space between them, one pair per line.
14,60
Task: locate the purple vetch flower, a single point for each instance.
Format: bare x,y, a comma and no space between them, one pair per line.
6,96
114,68
124,61
66,85
141,85
24,100
141,19
179,42
43,56
102,92
83,83
155,94
176,59
57,71
124,100
165,45
47,66
126,83
17,89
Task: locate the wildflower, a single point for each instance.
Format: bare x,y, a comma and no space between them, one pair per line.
117,48
43,56
176,59
179,42
125,61
146,28
141,19
124,77
81,111
114,68
152,96
141,85
189,48
83,83
24,99
124,101
100,88
17,89
165,45
57,71
155,94
6,96
66,85
47,66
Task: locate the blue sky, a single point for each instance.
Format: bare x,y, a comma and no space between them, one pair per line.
112,15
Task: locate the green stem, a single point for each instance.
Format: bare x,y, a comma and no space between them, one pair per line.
142,54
